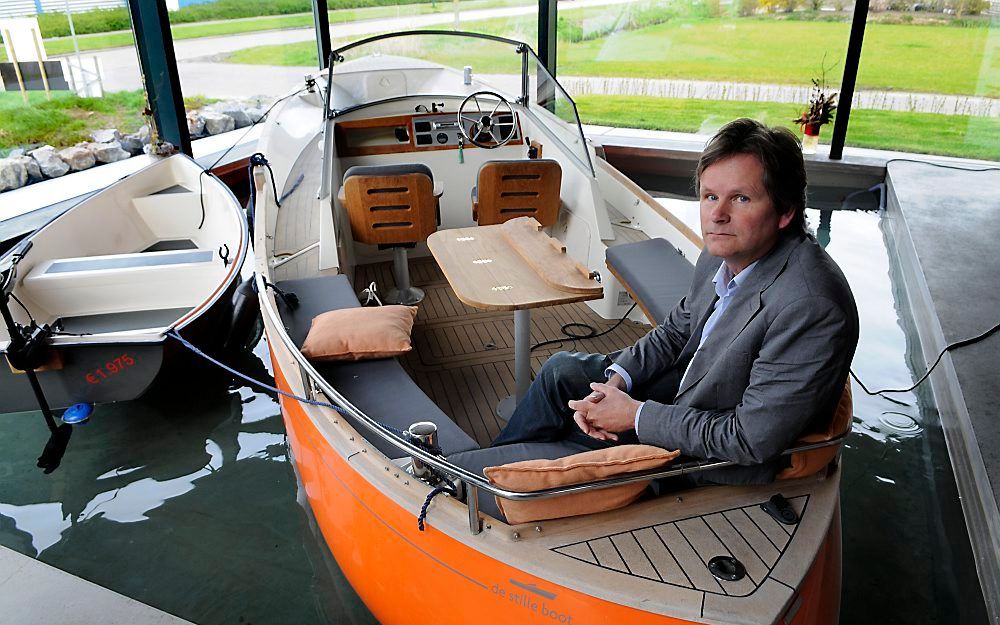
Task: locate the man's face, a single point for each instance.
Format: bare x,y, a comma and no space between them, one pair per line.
738,220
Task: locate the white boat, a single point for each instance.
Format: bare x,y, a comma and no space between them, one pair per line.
93,292
412,99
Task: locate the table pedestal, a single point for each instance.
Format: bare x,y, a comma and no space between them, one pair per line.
522,364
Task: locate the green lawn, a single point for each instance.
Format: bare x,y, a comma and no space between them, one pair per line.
64,45
68,119
927,133
934,59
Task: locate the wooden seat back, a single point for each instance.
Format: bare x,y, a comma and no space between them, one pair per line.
390,208
521,188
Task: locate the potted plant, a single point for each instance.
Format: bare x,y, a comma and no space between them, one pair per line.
820,111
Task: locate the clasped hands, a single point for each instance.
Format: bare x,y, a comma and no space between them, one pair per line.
607,410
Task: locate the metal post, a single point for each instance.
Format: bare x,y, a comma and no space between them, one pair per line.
159,71
851,63
321,18
472,499
547,24
522,353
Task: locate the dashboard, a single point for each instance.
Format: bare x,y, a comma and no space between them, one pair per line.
411,133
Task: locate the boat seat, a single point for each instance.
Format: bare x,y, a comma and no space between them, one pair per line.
517,188
392,206
654,273
364,382
98,285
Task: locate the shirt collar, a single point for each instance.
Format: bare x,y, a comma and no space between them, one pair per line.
726,283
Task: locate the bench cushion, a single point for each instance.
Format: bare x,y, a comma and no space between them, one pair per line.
654,273
364,383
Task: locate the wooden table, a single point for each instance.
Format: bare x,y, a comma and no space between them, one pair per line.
512,266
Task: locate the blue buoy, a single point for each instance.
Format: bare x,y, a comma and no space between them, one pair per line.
78,414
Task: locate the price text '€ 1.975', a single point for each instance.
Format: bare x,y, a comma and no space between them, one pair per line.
110,369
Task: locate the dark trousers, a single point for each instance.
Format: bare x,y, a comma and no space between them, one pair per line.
544,415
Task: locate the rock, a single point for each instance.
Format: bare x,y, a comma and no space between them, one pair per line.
143,134
110,152
31,165
255,115
16,152
78,158
132,144
106,136
240,118
49,162
216,123
13,174
196,125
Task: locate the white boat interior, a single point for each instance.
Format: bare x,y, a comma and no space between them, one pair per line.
146,254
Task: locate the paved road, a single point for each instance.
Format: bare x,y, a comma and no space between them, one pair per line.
201,75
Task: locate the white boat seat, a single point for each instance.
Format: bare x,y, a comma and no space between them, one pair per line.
654,273
98,285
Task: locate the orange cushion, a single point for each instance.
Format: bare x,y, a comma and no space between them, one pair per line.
533,475
360,333
805,463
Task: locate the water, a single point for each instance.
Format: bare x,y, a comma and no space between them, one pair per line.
185,500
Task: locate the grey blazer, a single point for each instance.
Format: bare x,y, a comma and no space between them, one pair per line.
773,368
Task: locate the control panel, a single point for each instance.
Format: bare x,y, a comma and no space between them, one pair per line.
443,130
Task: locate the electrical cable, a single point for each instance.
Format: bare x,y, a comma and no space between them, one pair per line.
574,337
23,307
207,170
955,345
941,165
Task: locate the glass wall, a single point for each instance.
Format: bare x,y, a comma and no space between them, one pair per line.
929,80
693,65
73,102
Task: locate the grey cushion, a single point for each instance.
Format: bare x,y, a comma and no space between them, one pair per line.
364,383
654,272
397,169
477,460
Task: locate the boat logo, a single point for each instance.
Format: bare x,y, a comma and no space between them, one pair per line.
505,287
465,238
482,261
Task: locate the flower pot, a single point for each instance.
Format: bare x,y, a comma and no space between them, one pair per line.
810,138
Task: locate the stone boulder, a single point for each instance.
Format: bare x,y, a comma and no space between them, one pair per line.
78,158
255,115
217,123
106,136
111,152
234,110
13,174
30,164
195,124
49,162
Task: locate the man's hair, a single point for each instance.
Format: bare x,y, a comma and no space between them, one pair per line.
779,154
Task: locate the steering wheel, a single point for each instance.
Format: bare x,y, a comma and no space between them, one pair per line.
481,125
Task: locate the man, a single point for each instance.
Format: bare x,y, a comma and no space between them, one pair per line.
756,354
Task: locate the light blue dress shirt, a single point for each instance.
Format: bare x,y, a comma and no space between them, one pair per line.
726,286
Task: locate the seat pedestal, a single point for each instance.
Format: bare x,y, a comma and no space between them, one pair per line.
403,293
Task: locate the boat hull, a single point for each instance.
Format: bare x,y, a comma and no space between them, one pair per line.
404,575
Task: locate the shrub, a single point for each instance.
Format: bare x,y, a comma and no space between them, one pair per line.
746,8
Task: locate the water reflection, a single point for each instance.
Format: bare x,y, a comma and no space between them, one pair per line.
190,491
907,557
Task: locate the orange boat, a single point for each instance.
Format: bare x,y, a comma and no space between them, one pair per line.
391,105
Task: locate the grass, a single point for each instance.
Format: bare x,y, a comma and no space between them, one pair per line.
64,45
933,59
68,119
926,133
